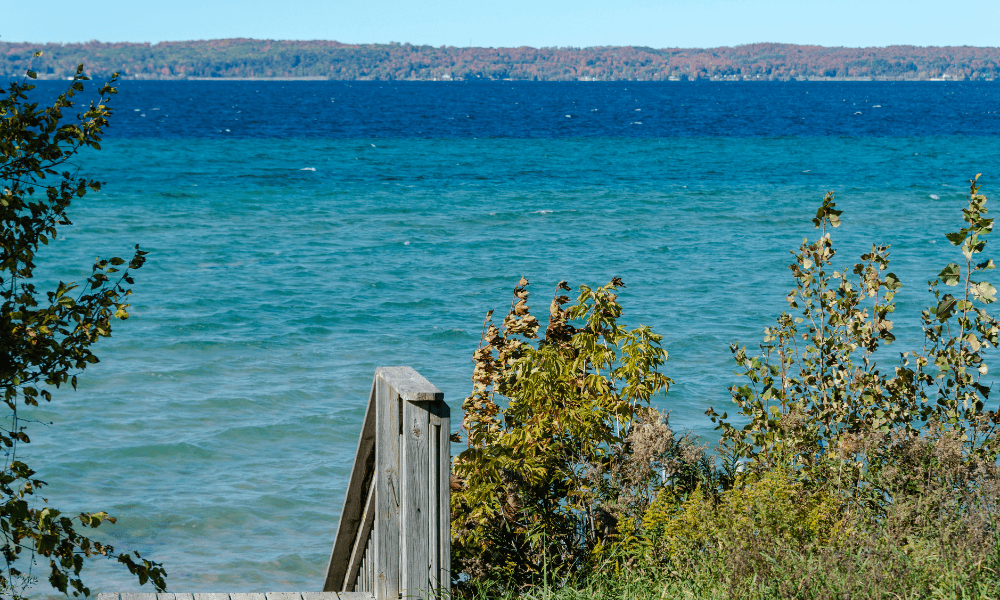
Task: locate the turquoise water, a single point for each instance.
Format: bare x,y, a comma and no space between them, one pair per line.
221,423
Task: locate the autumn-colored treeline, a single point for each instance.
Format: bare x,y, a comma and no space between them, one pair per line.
333,60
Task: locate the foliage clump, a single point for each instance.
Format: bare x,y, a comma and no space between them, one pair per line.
546,483
849,472
46,338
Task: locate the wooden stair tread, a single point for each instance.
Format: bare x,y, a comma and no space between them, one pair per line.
241,596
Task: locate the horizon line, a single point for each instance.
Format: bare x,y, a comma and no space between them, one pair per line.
393,43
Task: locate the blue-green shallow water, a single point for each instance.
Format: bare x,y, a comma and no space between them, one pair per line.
221,423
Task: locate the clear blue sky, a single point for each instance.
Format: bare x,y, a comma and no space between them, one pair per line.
664,23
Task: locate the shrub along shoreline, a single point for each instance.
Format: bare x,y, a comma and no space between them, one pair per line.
853,478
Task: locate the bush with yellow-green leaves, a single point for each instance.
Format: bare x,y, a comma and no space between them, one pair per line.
845,474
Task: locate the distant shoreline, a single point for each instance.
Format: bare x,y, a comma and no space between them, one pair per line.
238,78
322,60
582,79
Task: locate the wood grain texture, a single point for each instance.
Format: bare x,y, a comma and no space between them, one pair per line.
350,514
414,502
237,596
404,450
369,570
387,491
320,596
442,571
357,596
362,538
366,585
433,500
317,596
410,385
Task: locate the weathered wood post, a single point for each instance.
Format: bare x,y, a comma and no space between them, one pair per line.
394,535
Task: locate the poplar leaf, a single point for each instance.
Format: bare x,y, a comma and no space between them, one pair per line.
956,238
951,274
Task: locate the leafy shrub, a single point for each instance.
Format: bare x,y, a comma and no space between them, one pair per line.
845,478
816,391
767,508
550,424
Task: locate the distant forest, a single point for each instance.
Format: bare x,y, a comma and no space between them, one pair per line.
245,58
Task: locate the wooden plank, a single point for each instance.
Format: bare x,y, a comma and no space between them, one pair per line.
357,596
366,565
350,514
107,596
369,571
283,596
256,596
361,539
317,596
183,597
439,493
414,507
387,491
139,596
410,385
433,501
443,568
166,597
208,597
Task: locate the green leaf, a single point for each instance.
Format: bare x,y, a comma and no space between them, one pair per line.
985,292
956,238
951,274
945,307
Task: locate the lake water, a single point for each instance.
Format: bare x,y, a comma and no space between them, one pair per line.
303,233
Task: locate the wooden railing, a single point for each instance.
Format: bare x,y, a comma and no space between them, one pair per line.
394,536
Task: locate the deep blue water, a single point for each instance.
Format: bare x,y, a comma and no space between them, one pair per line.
511,109
336,227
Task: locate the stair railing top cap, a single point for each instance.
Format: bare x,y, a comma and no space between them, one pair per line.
410,385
